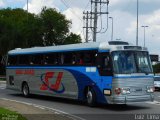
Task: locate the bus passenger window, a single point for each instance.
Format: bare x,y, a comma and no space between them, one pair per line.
12,60
74,59
89,58
79,59
62,59
68,59
50,59
104,64
23,60
36,60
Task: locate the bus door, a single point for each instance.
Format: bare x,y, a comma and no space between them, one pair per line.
105,70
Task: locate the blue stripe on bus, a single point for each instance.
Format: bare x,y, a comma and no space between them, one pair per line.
87,81
50,51
102,51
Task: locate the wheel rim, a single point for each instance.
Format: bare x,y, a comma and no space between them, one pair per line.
89,97
25,90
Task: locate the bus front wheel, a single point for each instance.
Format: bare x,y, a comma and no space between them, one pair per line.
25,89
91,97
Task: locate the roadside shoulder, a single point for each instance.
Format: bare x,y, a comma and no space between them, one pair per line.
33,112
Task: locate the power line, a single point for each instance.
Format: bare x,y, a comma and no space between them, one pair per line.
67,6
87,5
96,12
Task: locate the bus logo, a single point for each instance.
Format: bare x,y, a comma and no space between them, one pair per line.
53,87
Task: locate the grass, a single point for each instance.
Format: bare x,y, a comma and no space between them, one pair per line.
6,114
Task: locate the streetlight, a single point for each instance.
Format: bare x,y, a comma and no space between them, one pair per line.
144,33
137,23
27,10
112,28
27,6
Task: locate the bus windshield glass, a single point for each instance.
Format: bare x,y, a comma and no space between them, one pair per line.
127,62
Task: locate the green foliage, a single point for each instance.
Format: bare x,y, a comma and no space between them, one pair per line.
156,68
55,26
19,29
7,115
72,38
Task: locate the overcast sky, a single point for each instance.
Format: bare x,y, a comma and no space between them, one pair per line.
123,12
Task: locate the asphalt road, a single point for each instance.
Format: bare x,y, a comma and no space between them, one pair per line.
143,111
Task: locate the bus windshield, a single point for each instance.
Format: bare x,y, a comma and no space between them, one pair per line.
127,62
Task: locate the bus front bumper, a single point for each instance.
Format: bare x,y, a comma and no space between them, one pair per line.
130,99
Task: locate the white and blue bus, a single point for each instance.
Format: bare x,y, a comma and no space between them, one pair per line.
108,72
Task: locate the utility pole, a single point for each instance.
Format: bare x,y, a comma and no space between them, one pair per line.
86,18
27,6
91,26
137,23
144,34
112,28
95,21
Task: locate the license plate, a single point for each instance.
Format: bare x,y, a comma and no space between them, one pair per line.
138,89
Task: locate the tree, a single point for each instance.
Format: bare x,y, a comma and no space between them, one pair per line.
55,26
72,38
156,68
19,29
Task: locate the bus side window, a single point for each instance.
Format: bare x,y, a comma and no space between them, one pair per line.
79,58
66,59
55,61
31,62
74,59
62,59
50,59
23,60
36,59
89,58
104,64
12,60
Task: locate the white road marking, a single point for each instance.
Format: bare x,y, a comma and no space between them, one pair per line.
56,111
2,86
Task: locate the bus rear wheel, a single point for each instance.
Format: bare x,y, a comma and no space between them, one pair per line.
91,97
25,89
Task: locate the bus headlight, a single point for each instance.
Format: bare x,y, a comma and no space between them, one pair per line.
107,92
125,91
150,89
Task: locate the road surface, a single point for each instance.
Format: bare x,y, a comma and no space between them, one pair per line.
134,111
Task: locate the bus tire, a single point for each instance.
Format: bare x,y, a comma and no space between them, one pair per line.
91,97
25,90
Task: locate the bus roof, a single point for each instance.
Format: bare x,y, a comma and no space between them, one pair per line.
107,46
61,48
